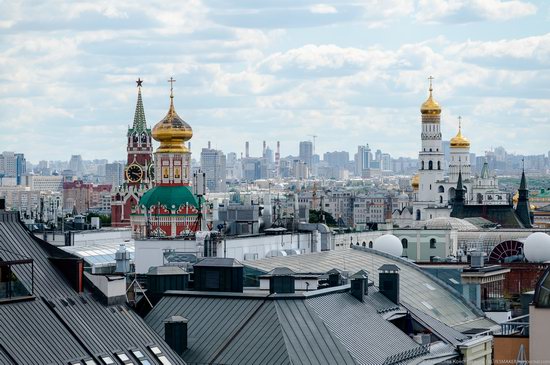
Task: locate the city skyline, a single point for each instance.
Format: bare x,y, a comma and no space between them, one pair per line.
351,73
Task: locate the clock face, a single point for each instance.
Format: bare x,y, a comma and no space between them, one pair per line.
134,173
151,172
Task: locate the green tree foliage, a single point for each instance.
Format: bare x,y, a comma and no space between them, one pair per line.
315,217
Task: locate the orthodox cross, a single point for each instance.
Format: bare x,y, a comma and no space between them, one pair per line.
171,81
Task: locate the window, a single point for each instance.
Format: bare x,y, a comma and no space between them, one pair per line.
441,200
432,243
107,360
422,165
405,243
370,244
164,360
430,165
439,165
441,189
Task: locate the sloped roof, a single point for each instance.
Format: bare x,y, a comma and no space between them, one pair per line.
418,288
328,326
60,324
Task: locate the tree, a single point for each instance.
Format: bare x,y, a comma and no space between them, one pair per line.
315,216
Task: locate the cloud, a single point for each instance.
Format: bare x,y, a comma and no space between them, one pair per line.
466,11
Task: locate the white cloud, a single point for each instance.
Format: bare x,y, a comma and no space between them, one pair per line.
323,9
464,11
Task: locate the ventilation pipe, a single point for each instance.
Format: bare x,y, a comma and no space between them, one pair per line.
175,333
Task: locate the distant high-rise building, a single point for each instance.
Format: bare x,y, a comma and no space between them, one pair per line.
114,173
13,165
336,158
213,164
76,165
306,152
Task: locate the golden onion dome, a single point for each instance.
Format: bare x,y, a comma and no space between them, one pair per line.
430,106
459,141
415,182
172,132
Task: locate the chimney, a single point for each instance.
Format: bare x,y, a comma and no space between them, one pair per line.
175,333
209,144
388,281
281,281
247,149
359,285
2,204
334,277
477,259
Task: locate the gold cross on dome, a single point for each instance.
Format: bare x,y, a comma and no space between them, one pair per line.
431,79
171,81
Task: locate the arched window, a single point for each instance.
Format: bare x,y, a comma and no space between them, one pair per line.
479,198
441,189
422,165
370,244
405,243
440,199
430,150
432,243
430,165
418,214
364,244
439,165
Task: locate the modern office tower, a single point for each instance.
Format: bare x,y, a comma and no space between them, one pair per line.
306,152
114,173
76,165
13,165
213,164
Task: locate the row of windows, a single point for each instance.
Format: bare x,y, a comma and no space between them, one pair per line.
431,165
405,243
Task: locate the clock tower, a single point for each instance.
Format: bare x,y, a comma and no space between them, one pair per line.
139,170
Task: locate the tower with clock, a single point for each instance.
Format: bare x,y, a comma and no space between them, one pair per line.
169,209
139,170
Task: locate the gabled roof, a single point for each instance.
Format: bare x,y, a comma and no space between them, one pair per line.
418,288
327,326
59,324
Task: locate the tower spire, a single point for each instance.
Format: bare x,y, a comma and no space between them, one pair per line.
140,123
171,81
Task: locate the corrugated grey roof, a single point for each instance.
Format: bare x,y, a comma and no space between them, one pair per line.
418,288
261,341
212,321
328,326
16,242
307,338
379,301
60,324
32,334
365,334
441,330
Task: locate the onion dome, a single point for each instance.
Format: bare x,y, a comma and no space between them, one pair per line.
430,106
415,182
459,141
172,132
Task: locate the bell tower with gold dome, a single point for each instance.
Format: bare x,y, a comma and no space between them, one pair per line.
169,209
460,156
431,156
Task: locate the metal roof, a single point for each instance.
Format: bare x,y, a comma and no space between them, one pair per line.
218,262
319,327
61,325
418,288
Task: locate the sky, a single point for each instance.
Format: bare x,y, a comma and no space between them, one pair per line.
349,72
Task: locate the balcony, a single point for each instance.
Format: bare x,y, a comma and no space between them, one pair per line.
16,279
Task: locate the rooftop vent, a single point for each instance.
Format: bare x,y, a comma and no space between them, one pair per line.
359,285
122,258
281,281
388,281
218,274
